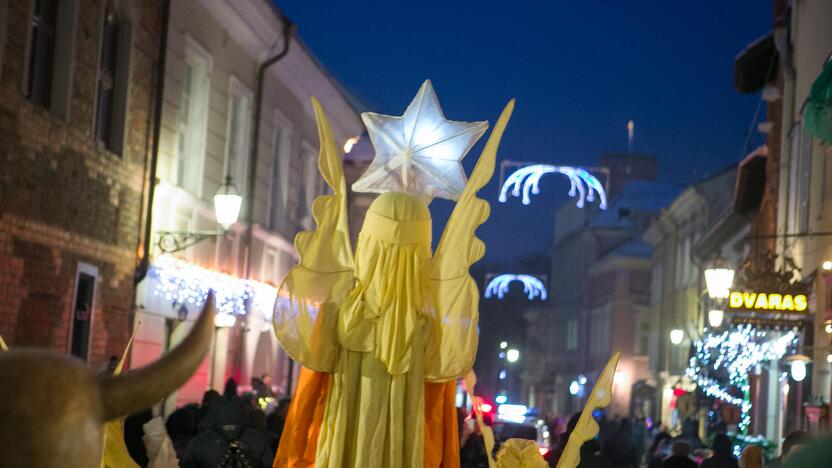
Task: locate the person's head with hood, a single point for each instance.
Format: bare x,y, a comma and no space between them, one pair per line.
227,416
391,256
626,426
722,445
209,397
690,427
230,389
182,423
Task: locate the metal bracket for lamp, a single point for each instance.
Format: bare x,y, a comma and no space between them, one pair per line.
174,241
227,205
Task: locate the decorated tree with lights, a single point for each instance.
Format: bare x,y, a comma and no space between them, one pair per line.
723,360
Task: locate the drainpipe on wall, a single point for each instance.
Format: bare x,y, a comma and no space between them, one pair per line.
144,263
288,32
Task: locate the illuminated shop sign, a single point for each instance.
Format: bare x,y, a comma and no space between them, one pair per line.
768,302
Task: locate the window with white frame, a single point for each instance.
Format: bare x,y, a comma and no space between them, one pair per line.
600,333
572,335
195,88
642,345
682,262
271,265
83,304
238,136
281,163
307,187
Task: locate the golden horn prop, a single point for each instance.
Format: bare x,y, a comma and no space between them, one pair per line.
140,388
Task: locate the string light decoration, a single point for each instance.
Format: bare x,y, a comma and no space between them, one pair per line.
583,185
731,355
532,286
181,282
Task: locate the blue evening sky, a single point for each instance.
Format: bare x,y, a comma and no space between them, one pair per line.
579,71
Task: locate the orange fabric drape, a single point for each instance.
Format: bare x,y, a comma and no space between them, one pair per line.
441,430
303,423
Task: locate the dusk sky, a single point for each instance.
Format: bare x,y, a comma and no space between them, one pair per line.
578,69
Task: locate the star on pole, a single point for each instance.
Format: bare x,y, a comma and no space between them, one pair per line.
419,152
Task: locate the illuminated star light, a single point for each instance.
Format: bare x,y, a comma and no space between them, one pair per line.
532,286
583,185
419,152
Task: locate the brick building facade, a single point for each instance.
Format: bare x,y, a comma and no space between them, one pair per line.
76,112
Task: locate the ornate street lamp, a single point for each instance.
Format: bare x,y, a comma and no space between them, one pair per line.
715,317
719,277
677,335
797,366
227,204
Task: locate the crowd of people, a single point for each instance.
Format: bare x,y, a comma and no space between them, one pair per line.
230,429
623,443
226,429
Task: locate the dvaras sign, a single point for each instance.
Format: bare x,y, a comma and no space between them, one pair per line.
767,302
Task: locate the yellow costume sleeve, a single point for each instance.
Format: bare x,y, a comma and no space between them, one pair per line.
453,296
587,428
305,310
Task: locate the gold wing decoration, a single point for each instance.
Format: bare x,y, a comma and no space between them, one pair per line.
305,310
453,296
115,453
587,427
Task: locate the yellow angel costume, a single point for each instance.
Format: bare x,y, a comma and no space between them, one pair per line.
392,317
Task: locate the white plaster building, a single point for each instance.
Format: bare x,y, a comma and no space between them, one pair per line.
213,53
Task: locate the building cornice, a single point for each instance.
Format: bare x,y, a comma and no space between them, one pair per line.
258,28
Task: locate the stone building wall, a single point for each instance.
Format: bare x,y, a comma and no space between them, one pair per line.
65,198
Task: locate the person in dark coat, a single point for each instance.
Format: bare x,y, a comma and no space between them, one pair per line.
680,457
723,456
619,449
182,427
472,453
227,435
658,452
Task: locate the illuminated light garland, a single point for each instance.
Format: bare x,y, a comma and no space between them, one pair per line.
736,351
583,185
532,286
184,283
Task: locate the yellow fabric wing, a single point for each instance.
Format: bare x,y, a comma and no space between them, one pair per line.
115,453
453,296
587,428
305,311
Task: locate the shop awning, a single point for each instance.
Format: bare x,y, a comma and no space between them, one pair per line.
817,117
756,65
